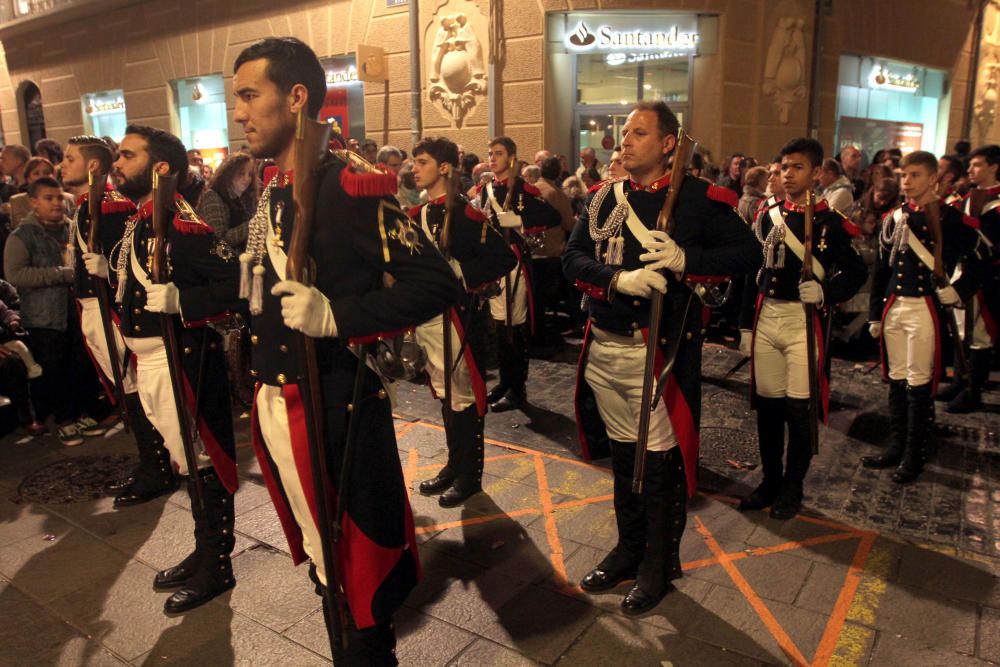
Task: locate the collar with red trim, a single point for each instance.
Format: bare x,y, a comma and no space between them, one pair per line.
820,205
658,184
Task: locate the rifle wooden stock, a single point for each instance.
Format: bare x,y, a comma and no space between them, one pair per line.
664,223
445,239
95,198
807,274
164,188
311,141
509,287
933,213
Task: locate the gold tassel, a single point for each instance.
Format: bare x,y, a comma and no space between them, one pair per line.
257,290
245,259
120,291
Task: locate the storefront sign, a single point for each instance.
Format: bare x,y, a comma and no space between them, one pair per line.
342,76
96,105
610,37
886,79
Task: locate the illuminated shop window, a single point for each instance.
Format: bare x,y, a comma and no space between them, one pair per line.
344,104
104,114
200,105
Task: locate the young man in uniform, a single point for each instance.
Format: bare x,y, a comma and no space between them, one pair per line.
907,303
779,367
617,258
154,475
357,237
527,219
203,278
479,257
979,324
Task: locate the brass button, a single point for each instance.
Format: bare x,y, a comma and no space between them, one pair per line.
381,393
187,350
283,347
137,311
211,346
774,279
703,331
663,341
920,289
637,303
350,407
689,335
635,325
138,293
899,275
253,372
281,378
254,339
770,292
136,327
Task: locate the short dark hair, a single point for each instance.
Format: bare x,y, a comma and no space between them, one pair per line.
469,162
43,182
163,147
551,168
50,146
290,61
990,153
666,121
20,151
93,148
955,165
922,158
809,147
33,163
832,166
441,149
962,146
506,142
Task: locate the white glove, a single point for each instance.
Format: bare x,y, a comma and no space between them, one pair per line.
305,309
948,296
746,342
875,329
811,291
509,219
663,253
641,282
163,298
96,263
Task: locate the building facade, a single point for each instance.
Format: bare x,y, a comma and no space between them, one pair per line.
743,75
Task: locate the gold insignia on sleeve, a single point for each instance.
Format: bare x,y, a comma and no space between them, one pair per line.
223,251
406,233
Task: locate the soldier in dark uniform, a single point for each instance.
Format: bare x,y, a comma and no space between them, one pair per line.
203,281
358,236
479,256
779,369
154,475
979,320
617,259
528,218
907,305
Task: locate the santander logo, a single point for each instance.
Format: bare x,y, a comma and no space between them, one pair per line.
582,36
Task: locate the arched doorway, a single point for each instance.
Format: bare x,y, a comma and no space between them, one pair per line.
32,116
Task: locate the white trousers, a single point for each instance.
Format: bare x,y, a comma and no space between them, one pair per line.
780,357
93,336
272,416
157,396
498,304
430,336
980,336
614,371
909,339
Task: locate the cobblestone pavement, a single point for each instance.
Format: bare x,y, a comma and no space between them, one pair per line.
871,575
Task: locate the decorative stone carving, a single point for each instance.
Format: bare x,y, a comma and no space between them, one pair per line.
786,66
456,69
984,109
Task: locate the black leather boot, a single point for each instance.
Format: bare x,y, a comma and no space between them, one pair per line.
898,411
467,426
920,422
512,357
154,476
371,647
210,565
971,398
771,441
665,507
446,476
789,500
623,561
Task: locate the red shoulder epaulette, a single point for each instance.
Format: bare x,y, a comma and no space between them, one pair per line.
970,221
415,211
186,221
596,186
721,194
531,189
115,202
371,184
852,229
474,214
269,172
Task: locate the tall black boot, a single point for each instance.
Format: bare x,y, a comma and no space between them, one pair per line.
665,505
513,362
210,565
504,354
371,647
920,422
446,476
154,476
898,410
467,426
771,440
789,501
623,561
971,398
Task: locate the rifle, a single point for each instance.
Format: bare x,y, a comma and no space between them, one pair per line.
807,274
664,223
95,198
445,247
311,140
933,214
164,188
508,202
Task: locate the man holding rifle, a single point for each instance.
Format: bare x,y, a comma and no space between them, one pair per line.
88,158
780,375
921,243
202,277
618,262
356,237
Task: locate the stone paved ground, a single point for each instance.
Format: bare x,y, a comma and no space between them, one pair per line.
872,575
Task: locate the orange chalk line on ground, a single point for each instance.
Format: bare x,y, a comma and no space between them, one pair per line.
472,521
488,459
551,530
770,622
765,551
824,652
411,468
